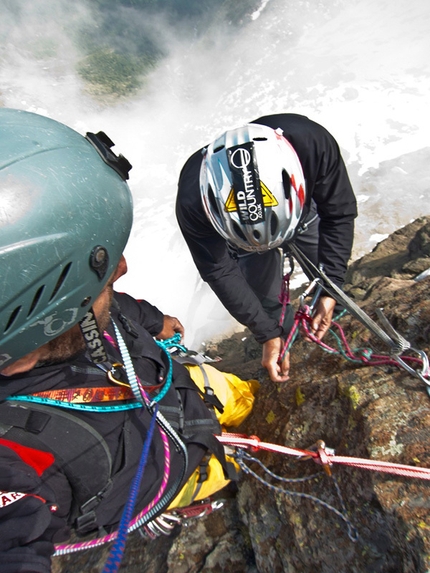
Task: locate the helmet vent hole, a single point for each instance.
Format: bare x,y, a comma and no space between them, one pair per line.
12,318
239,231
36,299
274,224
219,148
212,200
259,139
286,182
60,280
257,235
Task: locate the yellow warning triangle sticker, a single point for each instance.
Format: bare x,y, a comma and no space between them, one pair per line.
230,204
268,199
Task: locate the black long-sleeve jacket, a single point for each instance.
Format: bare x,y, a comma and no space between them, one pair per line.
327,183
30,524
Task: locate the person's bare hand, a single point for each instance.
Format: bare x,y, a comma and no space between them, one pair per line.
278,372
171,325
321,319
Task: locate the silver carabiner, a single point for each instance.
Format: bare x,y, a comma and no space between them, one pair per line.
401,346
314,285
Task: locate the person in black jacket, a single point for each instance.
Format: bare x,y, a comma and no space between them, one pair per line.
82,380
246,196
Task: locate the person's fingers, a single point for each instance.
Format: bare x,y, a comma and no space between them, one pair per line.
171,326
178,327
270,360
321,321
285,365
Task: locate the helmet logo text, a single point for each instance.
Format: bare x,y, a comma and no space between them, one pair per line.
93,340
4,358
246,184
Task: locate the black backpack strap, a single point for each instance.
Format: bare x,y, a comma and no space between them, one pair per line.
197,359
209,396
76,445
210,442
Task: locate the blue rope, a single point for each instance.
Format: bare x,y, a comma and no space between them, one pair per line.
114,559
241,455
165,345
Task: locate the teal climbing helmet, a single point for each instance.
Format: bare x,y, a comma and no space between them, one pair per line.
65,218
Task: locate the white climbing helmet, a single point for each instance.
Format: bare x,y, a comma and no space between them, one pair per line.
252,187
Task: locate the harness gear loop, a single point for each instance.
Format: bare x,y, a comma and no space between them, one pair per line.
165,523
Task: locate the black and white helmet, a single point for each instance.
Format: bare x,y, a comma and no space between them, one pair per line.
252,187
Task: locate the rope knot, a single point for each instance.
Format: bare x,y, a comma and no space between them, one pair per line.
255,447
366,353
173,342
303,313
324,454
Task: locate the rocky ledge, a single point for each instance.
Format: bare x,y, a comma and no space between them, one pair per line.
356,520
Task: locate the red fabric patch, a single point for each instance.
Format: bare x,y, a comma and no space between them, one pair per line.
38,460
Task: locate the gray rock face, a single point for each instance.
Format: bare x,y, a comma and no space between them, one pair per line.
382,522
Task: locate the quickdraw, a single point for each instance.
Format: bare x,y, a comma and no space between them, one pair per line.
397,344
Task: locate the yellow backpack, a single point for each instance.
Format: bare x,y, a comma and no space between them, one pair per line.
237,397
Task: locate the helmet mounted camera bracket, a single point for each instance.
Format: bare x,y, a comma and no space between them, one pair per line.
103,144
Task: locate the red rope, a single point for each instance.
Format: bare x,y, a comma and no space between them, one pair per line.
324,456
284,297
303,318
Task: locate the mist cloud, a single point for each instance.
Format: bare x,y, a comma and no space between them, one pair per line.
360,69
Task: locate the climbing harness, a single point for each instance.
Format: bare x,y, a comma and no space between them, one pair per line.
154,520
162,497
397,344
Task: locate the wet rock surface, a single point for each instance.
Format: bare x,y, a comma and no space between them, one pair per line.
355,520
